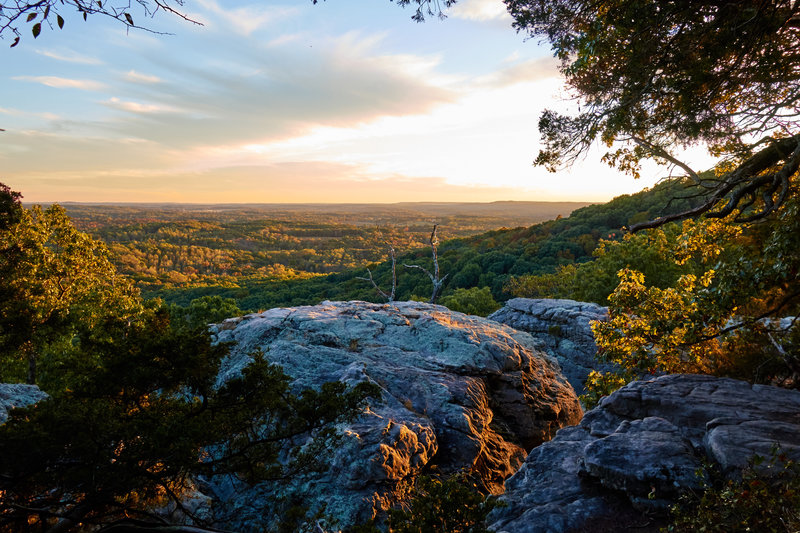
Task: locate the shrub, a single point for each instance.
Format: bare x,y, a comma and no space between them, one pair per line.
474,301
766,499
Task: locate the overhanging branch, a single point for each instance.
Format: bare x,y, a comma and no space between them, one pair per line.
742,185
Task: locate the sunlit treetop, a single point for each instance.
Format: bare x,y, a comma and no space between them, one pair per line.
650,76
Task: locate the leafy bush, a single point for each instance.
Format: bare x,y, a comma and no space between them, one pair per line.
452,505
720,316
474,301
766,499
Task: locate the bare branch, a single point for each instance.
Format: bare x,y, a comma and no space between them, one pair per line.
435,280
663,154
389,297
17,13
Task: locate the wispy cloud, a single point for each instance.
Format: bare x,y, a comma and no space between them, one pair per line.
276,96
70,57
18,113
531,70
480,10
140,108
63,83
247,19
138,77
286,38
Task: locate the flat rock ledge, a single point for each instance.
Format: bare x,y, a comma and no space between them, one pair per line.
641,447
17,395
563,329
458,392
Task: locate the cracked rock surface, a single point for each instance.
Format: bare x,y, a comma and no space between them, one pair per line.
641,447
458,392
562,328
17,395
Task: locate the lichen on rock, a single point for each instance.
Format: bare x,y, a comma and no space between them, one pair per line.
457,392
562,327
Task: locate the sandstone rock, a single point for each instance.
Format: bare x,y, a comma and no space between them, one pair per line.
641,446
562,327
458,392
17,395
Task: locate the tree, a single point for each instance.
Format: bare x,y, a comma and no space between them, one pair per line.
10,207
391,296
723,315
54,279
206,310
443,505
436,281
134,412
652,76
142,417
473,301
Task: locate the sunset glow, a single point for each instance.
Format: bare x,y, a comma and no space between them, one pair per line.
271,102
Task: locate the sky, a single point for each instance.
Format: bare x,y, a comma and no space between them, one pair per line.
342,101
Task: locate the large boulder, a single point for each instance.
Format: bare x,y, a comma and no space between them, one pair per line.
641,447
563,329
458,392
17,395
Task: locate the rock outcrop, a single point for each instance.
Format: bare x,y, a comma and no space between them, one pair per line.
641,447
562,327
458,392
17,395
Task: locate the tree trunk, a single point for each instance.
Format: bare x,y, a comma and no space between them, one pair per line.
30,355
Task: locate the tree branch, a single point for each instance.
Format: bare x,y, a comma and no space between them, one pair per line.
389,297
663,154
435,280
746,179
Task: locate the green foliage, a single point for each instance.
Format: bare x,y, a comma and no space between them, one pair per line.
55,279
474,301
487,260
560,284
651,253
10,207
676,329
718,73
766,499
601,384
140,408
134,411
207,310
720,316
452,505
169,248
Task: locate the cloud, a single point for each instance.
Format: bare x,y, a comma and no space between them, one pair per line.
70,57
63,83
18,113
537,69
36,153
480,10
267,94
286,38
139,108
138,77
247,19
